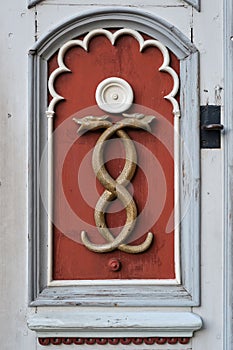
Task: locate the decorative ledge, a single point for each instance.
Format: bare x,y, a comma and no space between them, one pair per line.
99,323
112,341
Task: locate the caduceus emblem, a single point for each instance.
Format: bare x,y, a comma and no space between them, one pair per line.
115,188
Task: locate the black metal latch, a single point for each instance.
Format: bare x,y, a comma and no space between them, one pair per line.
211,126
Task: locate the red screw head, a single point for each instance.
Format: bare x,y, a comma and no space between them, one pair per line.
114,264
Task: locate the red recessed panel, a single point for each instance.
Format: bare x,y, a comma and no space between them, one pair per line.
76,189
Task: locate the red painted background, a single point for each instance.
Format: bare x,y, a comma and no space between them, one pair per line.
76,189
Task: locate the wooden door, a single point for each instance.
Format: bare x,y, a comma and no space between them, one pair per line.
128,295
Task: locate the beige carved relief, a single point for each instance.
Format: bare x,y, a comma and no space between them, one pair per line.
115,188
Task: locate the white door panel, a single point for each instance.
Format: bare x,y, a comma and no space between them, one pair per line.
20,27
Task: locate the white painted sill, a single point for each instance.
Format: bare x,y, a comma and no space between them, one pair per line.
100,323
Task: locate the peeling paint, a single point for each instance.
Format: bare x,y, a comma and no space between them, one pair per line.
217,94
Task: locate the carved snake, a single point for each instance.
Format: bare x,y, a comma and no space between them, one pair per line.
115,188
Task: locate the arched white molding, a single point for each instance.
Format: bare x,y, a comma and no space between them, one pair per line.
184,294
117,17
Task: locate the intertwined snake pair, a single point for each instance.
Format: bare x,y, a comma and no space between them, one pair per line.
115,188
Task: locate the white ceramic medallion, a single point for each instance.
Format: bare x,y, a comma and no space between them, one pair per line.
114,95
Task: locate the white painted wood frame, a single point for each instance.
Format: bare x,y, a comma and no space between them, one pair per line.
184,294
92,294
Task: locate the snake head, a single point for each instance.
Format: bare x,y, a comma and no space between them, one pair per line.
92,123
138,120
134,115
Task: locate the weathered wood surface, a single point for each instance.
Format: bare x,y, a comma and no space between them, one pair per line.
19,26
16,35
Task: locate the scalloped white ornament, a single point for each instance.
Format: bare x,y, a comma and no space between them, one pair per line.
112,37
